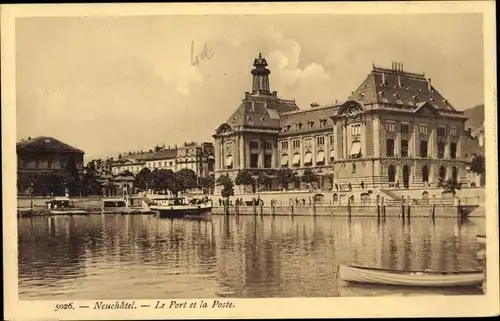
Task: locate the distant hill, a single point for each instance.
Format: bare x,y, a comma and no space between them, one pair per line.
475,116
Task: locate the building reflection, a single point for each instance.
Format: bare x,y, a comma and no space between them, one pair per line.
246,256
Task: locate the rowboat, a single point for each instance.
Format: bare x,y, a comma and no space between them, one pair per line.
360,274
481,238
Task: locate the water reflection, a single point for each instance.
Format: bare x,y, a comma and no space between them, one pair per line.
119,256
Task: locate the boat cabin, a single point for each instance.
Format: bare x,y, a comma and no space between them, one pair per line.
60,202
114,202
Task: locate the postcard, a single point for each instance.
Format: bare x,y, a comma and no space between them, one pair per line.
249,160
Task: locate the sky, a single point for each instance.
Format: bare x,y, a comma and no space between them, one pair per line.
126,83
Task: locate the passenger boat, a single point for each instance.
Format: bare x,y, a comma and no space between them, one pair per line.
360,274
182,207
481,238
125,205
61,205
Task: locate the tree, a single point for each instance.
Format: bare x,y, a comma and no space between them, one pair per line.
143,179
244,177
285,177
186,179
71,177
163,180
90,183
207,183
265,179
309,176
477,165
449,185
227,186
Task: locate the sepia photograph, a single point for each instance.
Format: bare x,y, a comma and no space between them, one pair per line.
173,157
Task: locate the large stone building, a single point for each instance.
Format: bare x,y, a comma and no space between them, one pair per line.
41,156
395,129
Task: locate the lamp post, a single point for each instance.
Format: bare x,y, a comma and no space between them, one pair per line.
32,192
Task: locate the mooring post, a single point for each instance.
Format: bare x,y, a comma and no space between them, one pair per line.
402,213
254,208
261,209
408,207
459,209
433,211
314,209
383,206
349,207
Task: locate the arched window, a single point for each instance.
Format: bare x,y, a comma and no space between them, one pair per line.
390,147
425,174
335,198
454,173
391,174
442,172
441,150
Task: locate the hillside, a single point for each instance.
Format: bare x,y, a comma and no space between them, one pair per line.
475,115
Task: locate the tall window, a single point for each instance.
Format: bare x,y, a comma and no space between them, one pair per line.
405,128
390,126
453,150
423,149
356,129
254,144
391,174
254,160
269,145
296,143
320,140
331,140
441,131
453,131
440,149
308,142
284,145
267,161
404,148
424,129
390,147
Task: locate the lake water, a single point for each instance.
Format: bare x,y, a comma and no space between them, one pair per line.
144,257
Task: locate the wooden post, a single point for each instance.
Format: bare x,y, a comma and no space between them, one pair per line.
408,208
291,210
254,208
459,209
402,213
261,209
314,209
433,211
273,211
383,206
349,207
378,209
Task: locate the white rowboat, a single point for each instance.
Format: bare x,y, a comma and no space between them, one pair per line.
361,274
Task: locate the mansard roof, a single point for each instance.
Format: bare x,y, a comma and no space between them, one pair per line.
310,119
260,112
46,144
400,88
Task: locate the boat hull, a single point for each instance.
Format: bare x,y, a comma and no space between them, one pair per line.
126,211
416,279
183,212
67,212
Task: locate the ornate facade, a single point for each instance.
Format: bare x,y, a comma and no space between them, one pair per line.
395,130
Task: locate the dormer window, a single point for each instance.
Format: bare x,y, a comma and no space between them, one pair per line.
322,122
311,124
298,126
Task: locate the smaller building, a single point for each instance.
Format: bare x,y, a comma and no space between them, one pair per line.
40,159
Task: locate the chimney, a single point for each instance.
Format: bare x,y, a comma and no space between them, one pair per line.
469,131
429,84
314,104
383,79
399,81
402,67
253,106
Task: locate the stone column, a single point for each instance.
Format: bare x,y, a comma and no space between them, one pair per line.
413,141
314,149
241,150
363,139
376,136
247,153
290,156
345,138
217,154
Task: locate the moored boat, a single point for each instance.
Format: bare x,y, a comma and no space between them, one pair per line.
121,205
481,238
182,207
61,205
360,274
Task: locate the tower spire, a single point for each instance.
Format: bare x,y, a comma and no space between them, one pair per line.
260,84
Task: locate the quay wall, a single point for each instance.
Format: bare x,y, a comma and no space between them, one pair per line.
440,211
468,195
